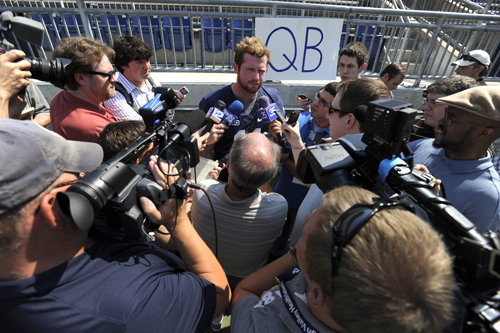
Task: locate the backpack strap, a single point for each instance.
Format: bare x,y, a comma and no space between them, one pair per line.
121,89
151,82
128,97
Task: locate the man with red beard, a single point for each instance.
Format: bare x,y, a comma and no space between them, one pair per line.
77,113
250,65
459,154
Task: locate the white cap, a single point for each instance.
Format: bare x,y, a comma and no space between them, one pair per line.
473,57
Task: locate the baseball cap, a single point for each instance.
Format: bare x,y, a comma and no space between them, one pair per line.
32,158
481,101
473,57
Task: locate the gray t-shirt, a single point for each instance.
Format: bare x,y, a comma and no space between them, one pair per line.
268,313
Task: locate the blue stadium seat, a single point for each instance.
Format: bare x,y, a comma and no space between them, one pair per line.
240,28
153,39
372,36
350,37
74,29
214,37
115,30
175,28
50,35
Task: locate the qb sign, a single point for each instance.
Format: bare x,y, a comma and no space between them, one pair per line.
301,49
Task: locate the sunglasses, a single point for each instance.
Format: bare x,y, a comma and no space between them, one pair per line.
448,120
468,57
331,110
110,74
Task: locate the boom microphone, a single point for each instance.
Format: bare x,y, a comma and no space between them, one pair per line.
214,116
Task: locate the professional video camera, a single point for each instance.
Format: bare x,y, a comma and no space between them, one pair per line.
114,188
52,71
380,160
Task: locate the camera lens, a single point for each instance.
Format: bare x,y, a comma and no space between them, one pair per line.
52,71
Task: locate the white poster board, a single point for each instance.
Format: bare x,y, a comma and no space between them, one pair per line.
301,48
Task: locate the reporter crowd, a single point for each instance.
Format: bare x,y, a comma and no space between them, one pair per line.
345,260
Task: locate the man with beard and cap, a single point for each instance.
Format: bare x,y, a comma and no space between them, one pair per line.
459,154
77,112
250,65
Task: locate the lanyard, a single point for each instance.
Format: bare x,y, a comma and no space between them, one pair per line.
292,307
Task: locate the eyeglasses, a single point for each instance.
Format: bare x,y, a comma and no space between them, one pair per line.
322,102
448,120
432,102
71,182
109,74
468,57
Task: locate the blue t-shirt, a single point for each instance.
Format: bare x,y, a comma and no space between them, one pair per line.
111,287
472,186
295,193
248,122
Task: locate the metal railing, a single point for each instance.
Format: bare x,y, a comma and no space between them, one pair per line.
424,41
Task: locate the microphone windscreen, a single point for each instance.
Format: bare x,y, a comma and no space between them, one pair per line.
235,107
192,118
263,101
220,105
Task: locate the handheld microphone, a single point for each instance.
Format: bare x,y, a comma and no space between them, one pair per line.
269,111
214,116
232,113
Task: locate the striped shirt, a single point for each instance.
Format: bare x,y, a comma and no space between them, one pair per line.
119,106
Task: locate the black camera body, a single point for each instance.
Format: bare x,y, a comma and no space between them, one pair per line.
113,189
53,71
379,160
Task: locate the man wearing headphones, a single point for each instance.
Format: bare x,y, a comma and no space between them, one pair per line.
390,272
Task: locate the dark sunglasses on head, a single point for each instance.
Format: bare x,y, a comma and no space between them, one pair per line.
468,57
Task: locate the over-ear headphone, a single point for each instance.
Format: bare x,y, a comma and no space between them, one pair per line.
352,220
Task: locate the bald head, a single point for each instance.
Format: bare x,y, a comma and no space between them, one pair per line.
254,161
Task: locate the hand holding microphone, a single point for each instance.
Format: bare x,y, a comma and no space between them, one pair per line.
222,117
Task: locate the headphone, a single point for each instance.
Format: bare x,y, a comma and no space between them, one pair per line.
352,220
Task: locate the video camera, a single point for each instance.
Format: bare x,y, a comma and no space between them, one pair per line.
380,160
114,188
53,71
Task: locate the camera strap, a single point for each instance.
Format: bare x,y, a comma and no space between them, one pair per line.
290,304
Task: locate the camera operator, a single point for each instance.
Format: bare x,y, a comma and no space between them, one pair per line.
13,78
56,277
77,113
344,119
393,275
459,154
